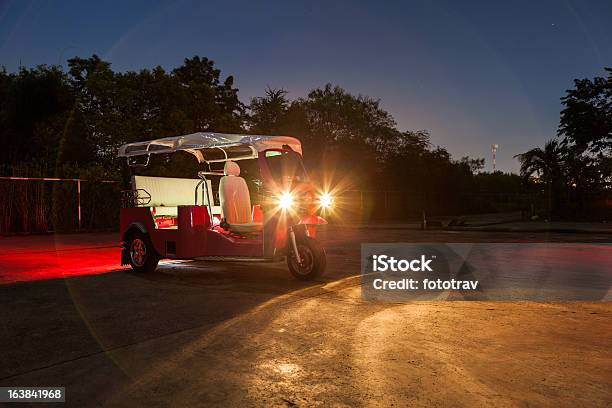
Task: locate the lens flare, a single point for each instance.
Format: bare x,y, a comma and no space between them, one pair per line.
325,200
285,200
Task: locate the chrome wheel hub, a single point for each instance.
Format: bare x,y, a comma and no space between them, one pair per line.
307,262
138,252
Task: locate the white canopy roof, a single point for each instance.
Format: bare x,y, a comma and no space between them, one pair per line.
205,140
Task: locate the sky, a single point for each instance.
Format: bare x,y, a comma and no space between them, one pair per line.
472,73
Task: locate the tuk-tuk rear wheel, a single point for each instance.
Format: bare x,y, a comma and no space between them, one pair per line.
313,259
142,255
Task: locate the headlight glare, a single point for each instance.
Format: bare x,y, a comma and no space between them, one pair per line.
325,200
285,200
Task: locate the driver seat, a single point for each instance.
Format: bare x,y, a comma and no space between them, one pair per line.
236,200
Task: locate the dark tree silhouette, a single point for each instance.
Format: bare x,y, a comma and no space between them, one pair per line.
269,112
586,120
547,166
585,130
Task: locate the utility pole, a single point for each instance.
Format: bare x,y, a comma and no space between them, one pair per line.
494,148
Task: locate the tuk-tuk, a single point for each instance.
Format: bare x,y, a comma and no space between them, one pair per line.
216,214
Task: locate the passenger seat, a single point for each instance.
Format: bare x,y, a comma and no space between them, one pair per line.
236,200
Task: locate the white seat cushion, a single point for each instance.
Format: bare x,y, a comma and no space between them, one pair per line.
235,200
234,197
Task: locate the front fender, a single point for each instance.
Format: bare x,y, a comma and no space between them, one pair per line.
134,226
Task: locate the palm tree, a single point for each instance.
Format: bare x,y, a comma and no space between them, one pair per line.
546,164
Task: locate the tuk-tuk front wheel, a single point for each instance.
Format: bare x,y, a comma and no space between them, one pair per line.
142,255
312,257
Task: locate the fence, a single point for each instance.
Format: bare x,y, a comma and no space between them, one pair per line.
43,204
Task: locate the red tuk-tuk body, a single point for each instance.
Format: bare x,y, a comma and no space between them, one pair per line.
179,218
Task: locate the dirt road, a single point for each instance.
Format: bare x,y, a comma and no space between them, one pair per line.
238,335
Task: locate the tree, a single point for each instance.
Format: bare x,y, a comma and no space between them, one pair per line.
474,165
547,165
75,148
118,108
586,120
585,130
346,133
269,113
211,105
96,90
34,105
335,116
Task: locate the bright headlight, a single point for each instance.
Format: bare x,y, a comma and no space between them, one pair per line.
325,200
285,200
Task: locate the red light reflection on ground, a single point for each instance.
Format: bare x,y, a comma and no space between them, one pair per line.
49,257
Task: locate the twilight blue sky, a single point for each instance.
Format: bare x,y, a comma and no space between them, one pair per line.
473,73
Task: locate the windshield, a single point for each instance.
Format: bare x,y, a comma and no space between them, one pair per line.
286,167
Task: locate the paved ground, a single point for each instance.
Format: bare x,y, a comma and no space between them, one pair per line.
37,257
244,335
